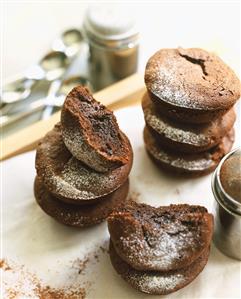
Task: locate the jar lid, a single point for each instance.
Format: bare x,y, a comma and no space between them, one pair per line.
226,183
110,25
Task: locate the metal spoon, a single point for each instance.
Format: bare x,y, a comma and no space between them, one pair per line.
66,46
69,42
54,99
50,67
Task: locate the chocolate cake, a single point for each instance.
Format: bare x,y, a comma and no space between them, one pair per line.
83,163
79,216
159,250
161,239
187,138
188,110
191,85
70,179
91,133
156,282
187,164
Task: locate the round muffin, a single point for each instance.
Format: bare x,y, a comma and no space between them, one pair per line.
154,282
191,85
71,180
192,165
160,239
79,216
187,138
91,133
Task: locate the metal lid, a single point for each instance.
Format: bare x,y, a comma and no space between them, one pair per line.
110,25
221,195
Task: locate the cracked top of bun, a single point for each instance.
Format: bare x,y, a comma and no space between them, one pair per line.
191,78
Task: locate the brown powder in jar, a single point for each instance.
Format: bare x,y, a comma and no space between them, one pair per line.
230,176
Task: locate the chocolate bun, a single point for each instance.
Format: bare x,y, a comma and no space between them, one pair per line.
192,165
91,133
191,85
160,239
71,180
79,216
186,138
154,282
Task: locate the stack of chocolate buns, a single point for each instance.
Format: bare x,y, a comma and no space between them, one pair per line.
188,109
159,250
83,163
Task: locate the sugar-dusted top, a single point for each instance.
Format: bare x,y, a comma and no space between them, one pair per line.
192,78
67,177
195,135
162,239
91,133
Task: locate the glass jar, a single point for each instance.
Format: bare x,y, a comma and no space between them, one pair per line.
113,43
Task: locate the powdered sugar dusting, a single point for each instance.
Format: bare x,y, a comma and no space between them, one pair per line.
174,132
160,250
163,83
83,151
191,78
189,162
151,283
191,165
73,179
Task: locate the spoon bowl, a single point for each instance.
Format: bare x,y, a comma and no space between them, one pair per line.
72,37
51,67
52,102
68,84
54,64
69,42
14,91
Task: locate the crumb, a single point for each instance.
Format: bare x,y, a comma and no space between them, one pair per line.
4,265
80,264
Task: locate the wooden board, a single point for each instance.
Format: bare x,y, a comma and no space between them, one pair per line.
121,94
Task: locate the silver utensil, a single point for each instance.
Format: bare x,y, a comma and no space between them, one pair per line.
55,98
50,67
69,42
64,89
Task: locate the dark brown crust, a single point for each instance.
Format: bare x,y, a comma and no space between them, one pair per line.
71,180
79,216
158,283
160,239
192,79
187,138
91,133
185,115
192,165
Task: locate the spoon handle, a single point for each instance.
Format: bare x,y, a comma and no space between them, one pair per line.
53,90
6,120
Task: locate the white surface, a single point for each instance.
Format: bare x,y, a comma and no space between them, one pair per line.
29,27
47,247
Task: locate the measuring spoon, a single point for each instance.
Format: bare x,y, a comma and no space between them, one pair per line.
54,99
51,67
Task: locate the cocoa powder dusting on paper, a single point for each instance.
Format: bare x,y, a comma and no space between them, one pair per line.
18,282
80,264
